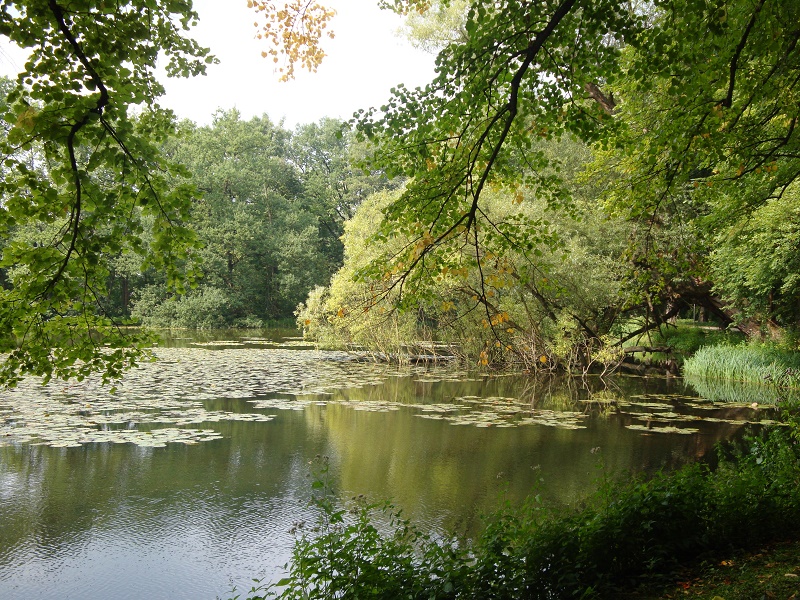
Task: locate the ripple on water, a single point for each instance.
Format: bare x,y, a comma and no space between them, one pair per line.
158,532
177,548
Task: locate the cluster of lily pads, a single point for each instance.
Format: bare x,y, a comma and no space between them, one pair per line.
159,402
657,412
253,342
497,411
155,402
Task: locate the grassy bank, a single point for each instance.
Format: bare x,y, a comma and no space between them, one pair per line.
763,364
630,537
683,338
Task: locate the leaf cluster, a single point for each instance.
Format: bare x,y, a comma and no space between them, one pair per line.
293,31
83,177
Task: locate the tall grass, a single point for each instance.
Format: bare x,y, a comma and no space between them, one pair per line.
763,364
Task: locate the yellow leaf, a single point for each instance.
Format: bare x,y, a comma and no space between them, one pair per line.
27,118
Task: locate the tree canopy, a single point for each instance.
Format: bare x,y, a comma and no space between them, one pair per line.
83,175
89,195
271,211
688,110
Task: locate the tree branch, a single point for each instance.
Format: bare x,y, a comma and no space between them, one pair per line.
102,102
728,100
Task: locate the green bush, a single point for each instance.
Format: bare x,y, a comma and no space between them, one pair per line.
688,339
204,308
685,339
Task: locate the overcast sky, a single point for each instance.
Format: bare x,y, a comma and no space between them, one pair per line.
364,61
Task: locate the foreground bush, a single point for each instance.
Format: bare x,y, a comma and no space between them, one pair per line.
629,533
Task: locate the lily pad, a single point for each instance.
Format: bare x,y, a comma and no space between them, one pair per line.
671,429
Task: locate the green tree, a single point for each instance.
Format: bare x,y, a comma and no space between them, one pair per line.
561,306
473,128
96,164
694,99
326,155
86,109
438,26
705,142
756,264
262,241
345,311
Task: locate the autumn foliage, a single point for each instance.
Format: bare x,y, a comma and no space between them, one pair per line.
294,32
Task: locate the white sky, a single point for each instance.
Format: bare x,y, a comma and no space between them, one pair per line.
363,62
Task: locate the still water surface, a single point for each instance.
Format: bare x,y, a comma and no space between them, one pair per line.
187,515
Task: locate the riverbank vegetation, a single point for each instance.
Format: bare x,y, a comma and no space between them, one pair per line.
533,209
566,228
761,364
578,174
272,207
629,538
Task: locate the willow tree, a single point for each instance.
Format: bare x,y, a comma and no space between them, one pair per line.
519,73
695,101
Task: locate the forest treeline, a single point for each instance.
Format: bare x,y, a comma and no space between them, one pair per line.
268,210
269,215
289,222
578,174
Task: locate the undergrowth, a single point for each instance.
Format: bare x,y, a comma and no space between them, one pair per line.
687,338
627,534
684,339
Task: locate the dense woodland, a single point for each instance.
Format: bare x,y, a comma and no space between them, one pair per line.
269,216
578,174
268,213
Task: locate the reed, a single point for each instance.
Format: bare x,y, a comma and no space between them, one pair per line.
761,364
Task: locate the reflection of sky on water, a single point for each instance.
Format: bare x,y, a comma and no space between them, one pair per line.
155,537
114,520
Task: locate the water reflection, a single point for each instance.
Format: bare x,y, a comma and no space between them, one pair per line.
115,520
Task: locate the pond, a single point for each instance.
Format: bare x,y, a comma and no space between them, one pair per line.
187,478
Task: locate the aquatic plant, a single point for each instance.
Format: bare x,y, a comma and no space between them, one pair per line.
763,364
